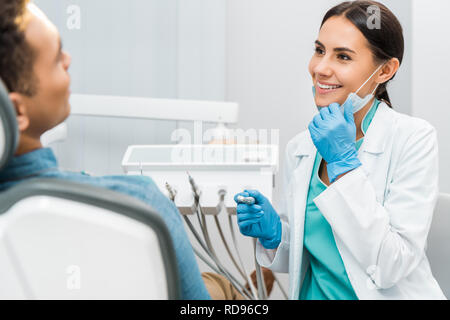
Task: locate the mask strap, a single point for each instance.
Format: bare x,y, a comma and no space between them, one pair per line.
375,88
370,78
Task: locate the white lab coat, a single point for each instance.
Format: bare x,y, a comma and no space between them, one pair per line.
380,213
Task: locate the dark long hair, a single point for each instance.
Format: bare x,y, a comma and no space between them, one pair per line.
386,42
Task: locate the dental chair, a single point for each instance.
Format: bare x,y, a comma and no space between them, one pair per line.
64,240
438,251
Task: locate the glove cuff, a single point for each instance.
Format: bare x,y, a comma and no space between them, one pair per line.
335,169
275,241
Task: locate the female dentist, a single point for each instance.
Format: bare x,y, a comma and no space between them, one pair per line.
360,184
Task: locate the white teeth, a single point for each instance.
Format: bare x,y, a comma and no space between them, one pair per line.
323,86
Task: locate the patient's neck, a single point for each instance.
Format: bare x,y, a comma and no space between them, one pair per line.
27,144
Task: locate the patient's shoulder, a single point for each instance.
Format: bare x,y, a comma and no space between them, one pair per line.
140,187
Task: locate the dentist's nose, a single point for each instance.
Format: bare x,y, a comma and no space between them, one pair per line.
322,69
67,60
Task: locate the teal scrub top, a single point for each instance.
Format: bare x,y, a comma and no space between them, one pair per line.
326,278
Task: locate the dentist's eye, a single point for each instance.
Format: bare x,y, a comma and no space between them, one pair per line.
344,57
319,50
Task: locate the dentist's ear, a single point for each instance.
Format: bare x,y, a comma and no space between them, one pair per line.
388,70
23,121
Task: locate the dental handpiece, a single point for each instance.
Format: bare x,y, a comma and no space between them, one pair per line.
246,200
172,191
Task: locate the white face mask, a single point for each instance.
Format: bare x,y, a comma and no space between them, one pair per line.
357,102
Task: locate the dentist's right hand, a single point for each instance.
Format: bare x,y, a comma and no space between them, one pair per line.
259,220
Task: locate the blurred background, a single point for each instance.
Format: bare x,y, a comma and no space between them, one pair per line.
252,52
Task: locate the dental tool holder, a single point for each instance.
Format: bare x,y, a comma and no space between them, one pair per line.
214,167
202,180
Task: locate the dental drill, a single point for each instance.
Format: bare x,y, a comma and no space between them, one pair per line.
222,208
262,291
246,200
259,275
220,269
203,225
197,209
219,209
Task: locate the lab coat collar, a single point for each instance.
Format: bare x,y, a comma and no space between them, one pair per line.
374,140
378,131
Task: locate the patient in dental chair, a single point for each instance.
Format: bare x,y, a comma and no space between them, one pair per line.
34,68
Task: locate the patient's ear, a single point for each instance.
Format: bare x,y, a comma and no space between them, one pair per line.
18,101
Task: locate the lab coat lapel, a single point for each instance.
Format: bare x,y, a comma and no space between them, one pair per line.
305,156
374,147
380,127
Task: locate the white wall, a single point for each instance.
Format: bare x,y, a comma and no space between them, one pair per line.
429,95
431,62
153,48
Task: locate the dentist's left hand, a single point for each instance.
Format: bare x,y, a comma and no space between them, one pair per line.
334,135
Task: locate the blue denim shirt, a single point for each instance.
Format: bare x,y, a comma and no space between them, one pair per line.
41,163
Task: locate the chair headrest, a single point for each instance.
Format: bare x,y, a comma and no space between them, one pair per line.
9,132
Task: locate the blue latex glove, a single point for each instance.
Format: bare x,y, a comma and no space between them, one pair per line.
259,220
334,135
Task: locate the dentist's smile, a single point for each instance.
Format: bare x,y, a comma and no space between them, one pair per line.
324,88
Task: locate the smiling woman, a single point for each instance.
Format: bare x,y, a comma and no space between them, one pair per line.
345,56
361,185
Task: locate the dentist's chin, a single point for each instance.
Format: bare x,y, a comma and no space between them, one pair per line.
321,102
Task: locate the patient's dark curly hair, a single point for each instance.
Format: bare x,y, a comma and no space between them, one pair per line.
16,55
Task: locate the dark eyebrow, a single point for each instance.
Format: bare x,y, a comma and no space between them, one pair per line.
319,43
339,49
344,49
